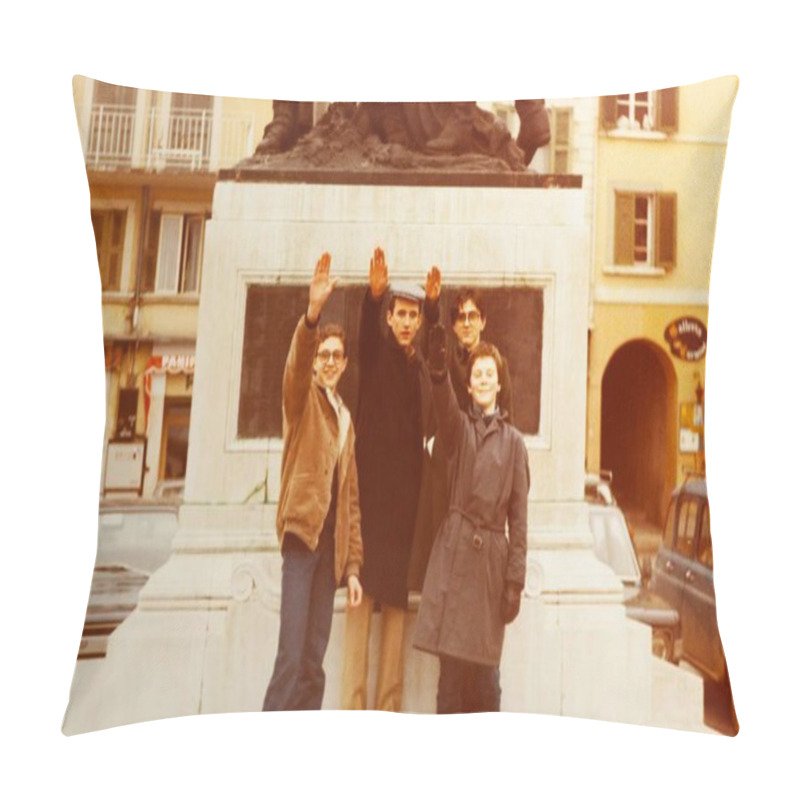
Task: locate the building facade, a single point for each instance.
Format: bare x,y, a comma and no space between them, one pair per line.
660,157
152,159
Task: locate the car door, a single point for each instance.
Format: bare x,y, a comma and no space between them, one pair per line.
702,645
667,579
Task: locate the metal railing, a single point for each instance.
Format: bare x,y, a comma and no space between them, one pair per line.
110,141
119,138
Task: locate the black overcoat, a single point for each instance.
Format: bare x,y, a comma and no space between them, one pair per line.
394,420
482,542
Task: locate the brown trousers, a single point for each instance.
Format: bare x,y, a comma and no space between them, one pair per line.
389,690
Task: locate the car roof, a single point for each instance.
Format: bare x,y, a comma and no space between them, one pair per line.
693,486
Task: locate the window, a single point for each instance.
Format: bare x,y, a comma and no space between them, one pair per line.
174,253
111,126
645,229
641,111
109,235
560,127
669,527
704,552
687,524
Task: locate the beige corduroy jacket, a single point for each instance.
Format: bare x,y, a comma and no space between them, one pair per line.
318,434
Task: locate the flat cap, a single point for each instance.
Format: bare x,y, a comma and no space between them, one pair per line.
407,289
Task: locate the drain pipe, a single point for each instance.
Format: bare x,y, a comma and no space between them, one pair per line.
144,230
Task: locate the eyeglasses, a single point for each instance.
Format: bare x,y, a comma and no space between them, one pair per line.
326,355
468,316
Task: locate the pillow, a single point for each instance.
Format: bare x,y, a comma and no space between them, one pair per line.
588,226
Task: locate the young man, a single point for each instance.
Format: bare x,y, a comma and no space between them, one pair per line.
468,319
318,517
476,574
394,421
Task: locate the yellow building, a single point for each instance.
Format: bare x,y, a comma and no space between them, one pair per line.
659,163
152,160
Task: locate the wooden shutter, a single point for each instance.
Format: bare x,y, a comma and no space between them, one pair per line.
666,230
624,228
109,231
667,110
608,111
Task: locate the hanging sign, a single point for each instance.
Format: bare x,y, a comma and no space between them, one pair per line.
686,337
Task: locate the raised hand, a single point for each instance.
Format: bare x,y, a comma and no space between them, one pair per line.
378,274
433,284
320,289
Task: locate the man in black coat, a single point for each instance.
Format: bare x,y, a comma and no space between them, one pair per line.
393,425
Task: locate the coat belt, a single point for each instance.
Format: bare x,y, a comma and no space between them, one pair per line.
477,523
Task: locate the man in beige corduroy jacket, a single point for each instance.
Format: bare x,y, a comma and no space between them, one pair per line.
318,516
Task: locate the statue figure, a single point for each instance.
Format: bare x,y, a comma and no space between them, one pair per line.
426,129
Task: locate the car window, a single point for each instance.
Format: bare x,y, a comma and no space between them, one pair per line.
669,527
687,525
704,552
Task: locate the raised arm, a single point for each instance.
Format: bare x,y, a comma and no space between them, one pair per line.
369,333
430,308
299,370
449,417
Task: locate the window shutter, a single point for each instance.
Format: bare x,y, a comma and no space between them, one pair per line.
608,111
667,100
623,228
666,230
109,231
117,241
169,253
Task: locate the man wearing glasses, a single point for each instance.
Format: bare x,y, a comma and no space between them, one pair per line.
468,318
318,517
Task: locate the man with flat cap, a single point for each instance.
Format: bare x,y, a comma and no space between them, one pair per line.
394,423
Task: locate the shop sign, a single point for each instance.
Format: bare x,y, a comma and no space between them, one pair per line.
173,363
686,338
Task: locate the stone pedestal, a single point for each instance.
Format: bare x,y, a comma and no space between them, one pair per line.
203,637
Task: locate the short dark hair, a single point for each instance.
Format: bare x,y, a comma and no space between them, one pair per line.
332,329
484,350
461,297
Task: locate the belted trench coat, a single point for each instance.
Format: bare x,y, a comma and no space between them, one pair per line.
482,542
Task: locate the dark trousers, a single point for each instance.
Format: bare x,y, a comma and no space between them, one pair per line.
307,590
466,687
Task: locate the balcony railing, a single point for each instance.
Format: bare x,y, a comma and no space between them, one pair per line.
185,140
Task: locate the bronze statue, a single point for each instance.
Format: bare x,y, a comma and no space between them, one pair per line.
414,134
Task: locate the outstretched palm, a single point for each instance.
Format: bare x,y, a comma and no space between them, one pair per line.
433,285
378,274
321,287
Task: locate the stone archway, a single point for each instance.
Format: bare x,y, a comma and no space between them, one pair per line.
639,428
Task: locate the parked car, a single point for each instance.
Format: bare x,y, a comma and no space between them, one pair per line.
614,546
683,575
134,539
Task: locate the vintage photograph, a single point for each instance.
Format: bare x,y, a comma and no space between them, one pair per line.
404,406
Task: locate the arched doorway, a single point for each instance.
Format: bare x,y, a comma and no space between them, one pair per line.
638,435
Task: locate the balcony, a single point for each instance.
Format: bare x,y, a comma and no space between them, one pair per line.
119,137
